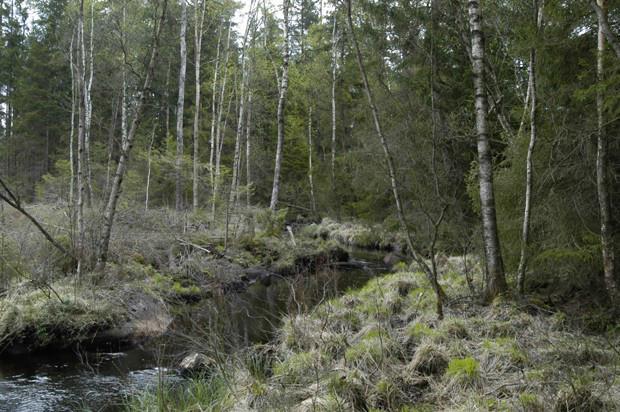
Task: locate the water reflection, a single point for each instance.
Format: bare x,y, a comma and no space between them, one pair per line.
78,380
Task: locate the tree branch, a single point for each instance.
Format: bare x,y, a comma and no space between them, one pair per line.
602,21
13,200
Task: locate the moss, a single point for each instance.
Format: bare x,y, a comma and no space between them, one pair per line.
35,320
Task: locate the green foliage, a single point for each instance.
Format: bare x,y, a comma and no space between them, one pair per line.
465,369
271,223
296,367
198,394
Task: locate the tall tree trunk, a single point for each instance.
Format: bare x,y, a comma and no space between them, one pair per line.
310,174
496,281
111,133
148,168
334,76
180,105
600,7
167,99
529,168
602,165
81,88
72,129
244,79
415,253
199,22
248,152
127,144
214,106
219,138
89,105
275,192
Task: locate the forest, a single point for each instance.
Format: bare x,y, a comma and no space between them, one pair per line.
309,205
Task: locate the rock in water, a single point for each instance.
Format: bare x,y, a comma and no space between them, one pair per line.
391,259
196,364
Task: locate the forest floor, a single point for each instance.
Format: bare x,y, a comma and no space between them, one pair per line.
377,348
159,261
382,348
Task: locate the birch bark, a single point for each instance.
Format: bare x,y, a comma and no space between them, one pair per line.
275,192
180,108
496,281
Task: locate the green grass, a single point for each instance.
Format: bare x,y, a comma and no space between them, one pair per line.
381,347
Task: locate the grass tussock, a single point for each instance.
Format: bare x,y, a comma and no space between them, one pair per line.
356,234
34,319
364,352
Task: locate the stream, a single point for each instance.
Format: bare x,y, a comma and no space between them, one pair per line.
80,380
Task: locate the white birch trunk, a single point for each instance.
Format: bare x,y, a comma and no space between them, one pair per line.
89,106
529,167
496,281
415,253
248,152
72,130
148,168
214,101
334,74
275,192
218,131
244,78
310,170
80,143
180,106
110,209
199,22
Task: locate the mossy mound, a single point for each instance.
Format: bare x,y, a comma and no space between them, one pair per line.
35,320
366,352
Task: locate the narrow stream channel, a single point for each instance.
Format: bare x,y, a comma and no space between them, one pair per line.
89,381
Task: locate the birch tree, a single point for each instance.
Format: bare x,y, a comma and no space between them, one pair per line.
214,106
248,152
88,103
240,121
148,168
127,144
333,97
600,7
602,164
275,192
199,18
496,281
217,143
310,168
180,108
81,91
413,250
529,168
72,127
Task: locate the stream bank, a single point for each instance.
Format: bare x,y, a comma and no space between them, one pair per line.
83,377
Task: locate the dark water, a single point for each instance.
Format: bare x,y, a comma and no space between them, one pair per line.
76,381
87,381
